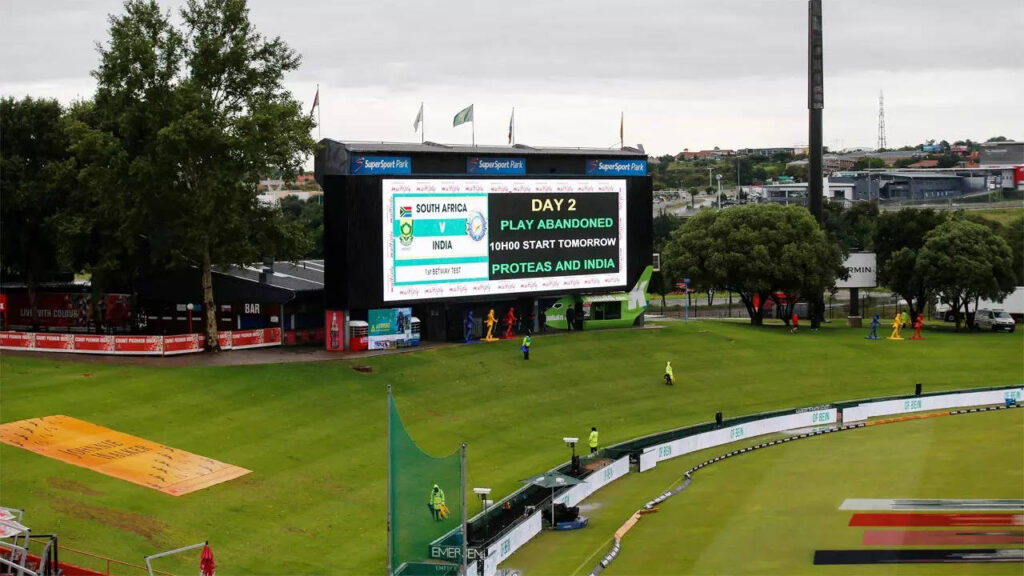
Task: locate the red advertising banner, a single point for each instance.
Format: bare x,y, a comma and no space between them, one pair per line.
67,310
94,343
224,340
55,342
16,340
1018,174
255,338
335,324
138,344
182,344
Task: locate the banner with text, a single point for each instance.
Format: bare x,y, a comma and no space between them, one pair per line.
453,238
390,328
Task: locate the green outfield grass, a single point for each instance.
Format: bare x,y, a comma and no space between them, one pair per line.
766,512
1001,215
314,434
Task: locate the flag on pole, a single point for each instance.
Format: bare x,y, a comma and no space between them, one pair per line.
419,118
511,124
316,102
465,115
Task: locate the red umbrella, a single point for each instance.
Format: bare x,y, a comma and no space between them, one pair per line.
206,565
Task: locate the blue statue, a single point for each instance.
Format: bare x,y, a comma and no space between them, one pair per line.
469,326
874,329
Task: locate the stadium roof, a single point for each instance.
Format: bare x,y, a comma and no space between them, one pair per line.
517,149
283,283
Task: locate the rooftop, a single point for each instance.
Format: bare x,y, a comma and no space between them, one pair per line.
517,149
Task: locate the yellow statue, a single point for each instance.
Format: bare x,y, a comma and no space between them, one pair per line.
490,321
897,322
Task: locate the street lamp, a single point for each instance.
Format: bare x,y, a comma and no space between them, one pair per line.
189,308
719,178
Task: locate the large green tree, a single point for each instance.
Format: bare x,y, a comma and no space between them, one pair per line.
198,113
756,250
898,239
852,227
963,261
35,177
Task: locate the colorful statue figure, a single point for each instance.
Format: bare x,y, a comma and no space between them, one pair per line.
917,328
897,322
873,335
469,326
510,322
490,321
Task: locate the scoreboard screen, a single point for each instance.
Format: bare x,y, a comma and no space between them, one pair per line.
463,237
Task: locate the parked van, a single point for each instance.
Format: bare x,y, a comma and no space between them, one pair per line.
993,320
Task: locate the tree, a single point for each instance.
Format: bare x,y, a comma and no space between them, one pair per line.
964,261
898,238
868,162
200,113
35,179
853,228
997,139
755,250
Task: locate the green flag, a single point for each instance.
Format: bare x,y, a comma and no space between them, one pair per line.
466,115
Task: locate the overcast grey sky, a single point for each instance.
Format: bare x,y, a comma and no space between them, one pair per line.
686,73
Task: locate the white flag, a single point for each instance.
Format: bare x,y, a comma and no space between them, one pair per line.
419,118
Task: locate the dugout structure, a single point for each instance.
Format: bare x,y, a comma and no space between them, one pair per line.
452,229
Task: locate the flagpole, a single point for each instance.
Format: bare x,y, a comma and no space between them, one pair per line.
474,128
513,125
318,137
389,480
465,527
423,126
622,128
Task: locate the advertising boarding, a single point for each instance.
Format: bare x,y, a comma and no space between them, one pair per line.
453,238
390,328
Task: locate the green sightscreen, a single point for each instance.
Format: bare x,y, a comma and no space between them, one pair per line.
414,524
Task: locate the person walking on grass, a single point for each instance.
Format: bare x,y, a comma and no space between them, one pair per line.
670,378
436,502
527,341
796,324
593,439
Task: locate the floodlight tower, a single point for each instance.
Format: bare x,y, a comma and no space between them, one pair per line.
881,120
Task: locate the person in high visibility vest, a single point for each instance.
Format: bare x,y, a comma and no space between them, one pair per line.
526,345
669,377
593,439
436,502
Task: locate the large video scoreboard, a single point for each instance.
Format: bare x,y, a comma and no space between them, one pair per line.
447,238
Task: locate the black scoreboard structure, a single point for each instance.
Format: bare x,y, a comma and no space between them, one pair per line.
447,230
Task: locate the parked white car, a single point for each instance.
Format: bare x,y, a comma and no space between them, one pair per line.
994,320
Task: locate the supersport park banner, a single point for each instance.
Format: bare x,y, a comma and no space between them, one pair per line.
390,328
450,238
117,454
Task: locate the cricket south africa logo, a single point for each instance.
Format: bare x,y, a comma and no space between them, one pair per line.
405,225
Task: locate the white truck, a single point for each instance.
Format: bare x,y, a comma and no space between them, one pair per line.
1013,305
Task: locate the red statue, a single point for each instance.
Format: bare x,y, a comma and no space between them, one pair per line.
917,328
510,322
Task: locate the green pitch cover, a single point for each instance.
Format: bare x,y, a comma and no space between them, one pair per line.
413,523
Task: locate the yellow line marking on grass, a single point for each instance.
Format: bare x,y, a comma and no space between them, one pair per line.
604,545
906,418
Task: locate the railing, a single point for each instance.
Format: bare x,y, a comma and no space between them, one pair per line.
109,563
